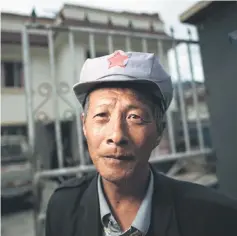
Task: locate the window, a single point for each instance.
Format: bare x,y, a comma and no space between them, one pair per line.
10,150
12,74
13,153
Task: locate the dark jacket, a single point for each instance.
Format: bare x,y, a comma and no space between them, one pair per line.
179,209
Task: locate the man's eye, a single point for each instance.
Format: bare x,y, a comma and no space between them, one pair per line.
102,114
133,116
136,118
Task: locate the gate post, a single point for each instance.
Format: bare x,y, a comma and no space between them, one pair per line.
28,88
30,116
58,133
78,108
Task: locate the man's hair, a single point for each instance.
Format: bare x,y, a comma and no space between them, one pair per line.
143,90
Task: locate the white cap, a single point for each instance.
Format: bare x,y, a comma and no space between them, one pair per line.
122,66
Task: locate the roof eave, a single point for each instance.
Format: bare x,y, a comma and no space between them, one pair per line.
189,15
154,16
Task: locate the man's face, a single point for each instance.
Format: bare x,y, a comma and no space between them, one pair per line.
121,132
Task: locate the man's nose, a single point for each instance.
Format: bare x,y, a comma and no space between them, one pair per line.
117,133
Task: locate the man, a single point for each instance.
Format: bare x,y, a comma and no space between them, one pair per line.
125,97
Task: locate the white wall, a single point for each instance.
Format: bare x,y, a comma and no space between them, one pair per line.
15,23
97,16
41,78
13,102
68,73
193,112
13,108
13,99
10,24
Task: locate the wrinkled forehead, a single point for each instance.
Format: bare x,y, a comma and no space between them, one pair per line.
112,94
116,91
137,96
140,90
125,96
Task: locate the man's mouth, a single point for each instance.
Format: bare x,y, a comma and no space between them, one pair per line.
121,157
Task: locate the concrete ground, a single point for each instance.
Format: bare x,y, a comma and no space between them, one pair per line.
17,216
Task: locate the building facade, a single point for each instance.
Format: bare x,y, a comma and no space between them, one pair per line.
92,40
12,82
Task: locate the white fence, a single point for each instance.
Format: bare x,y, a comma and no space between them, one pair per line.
55,92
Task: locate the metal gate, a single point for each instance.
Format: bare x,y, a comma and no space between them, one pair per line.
47,136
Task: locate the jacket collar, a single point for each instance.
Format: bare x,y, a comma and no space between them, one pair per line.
89,214
163,214
163,209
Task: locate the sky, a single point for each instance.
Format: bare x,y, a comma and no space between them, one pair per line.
169,11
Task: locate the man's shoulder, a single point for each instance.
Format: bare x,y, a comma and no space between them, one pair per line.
75,182
72,189
199,205
63,203
198,194
203,210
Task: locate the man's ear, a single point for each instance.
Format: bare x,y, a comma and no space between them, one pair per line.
83,121
158,140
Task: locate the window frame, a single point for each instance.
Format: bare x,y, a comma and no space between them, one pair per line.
18,74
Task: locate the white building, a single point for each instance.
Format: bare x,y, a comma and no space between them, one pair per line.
13,93
201,110
149,28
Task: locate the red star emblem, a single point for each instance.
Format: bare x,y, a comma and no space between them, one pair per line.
118,59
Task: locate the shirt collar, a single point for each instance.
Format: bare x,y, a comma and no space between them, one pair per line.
143,217
104,207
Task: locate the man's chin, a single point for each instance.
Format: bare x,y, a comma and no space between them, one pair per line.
117,180
116,177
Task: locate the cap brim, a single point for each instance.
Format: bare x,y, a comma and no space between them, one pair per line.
81,89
